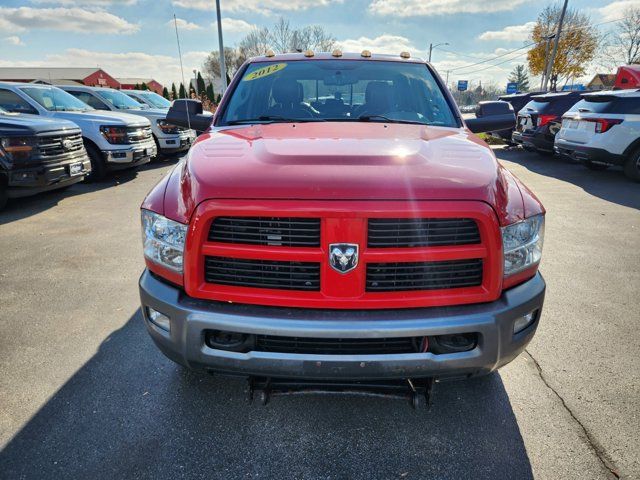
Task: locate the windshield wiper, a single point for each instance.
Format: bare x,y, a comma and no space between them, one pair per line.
274,118
373,118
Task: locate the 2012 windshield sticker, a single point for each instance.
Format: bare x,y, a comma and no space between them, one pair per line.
264,72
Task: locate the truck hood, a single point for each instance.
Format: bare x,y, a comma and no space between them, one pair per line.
342,161
103,117
22,124
150,113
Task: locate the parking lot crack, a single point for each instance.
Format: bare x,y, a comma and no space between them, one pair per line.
594,445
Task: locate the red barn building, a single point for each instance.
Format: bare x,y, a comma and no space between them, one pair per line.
94,77
130,84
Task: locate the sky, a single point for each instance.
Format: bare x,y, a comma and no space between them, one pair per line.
136,38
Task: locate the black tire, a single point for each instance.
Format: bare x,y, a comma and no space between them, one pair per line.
632,166
98,166
4,195
598,167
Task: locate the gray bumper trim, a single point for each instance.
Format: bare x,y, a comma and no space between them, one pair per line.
190,318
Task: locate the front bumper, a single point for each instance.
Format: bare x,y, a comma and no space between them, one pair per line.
29,180
176,143
130,155
190,318
582,153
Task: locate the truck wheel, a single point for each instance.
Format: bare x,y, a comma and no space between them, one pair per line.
632,166
98,167
596,166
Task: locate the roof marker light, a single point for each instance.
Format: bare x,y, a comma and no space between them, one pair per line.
309,53
366,53
337,53
405,55
269,53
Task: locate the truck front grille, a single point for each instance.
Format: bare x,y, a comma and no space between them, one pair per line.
274,231
421,232
337,346
398,277
55,145
263,273
138,134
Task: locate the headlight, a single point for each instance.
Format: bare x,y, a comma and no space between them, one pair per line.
115,135
16,149
522,243
167,127
163,240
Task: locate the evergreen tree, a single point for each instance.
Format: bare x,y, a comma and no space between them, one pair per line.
200,84
519,75
165,93
136,86
144,86
174,92
218,99
210,94
182,93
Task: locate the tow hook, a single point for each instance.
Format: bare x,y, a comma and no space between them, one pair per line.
418,391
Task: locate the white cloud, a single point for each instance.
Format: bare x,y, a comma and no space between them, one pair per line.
64,19
615,10
13,40
98,3
512,33
393,44
184,25
264,7
411,8
164,68
234,25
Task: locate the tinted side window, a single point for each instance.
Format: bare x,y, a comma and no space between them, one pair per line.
12,102
626,105
89,100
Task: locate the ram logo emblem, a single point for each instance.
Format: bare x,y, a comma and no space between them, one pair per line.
343,257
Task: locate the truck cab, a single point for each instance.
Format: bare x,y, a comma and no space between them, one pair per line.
39,154
169,139
114,140
339,220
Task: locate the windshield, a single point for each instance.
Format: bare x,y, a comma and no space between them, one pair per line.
119,100
338,90
56,100
155,100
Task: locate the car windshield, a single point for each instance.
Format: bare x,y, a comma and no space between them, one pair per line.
119,100
155,100
56,100
338,90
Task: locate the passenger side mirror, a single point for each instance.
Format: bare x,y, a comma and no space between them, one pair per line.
491,117
188,114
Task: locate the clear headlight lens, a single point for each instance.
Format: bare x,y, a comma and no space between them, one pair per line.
522,243
163,240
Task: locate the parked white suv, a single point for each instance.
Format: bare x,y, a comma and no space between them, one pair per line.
148,98
169,138
113,140
603,129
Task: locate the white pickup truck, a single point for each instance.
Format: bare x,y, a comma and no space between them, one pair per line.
170,139
114,140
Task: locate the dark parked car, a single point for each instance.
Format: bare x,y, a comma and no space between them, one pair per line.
540,120
39,154
517,101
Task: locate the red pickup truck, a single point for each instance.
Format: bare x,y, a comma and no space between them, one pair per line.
338,220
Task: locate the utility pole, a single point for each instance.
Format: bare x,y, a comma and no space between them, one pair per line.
195,82
555,45
223,69
432,46
546,61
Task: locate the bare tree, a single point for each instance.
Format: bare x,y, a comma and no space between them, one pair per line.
255,43
233,60
281,36
622,45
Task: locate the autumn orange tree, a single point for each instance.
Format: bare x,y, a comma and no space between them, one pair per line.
578,43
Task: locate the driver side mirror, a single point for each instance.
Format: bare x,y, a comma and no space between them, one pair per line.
188,114
491,117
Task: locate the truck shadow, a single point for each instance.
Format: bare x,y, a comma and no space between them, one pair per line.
610,185
131,413
19,208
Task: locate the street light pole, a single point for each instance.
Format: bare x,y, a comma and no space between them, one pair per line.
432,46
223,69
195,82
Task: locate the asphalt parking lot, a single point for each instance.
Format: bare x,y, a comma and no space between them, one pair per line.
85,394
